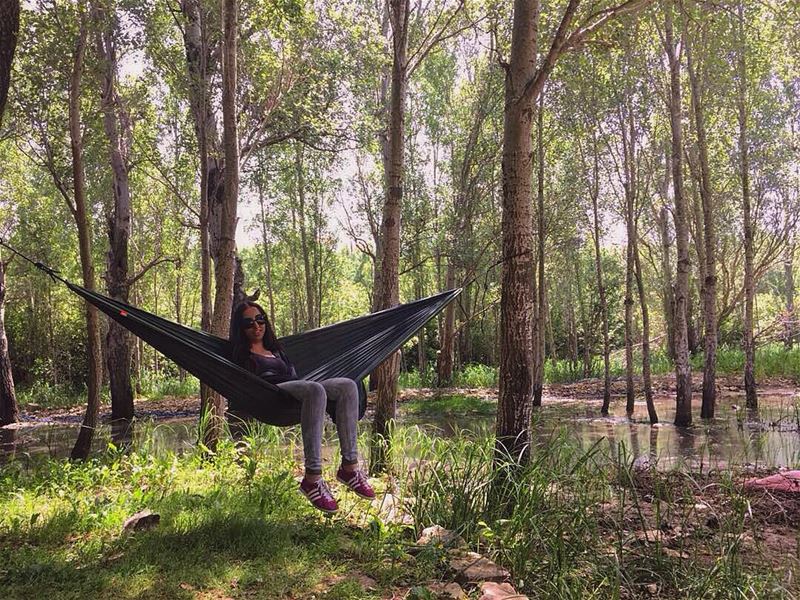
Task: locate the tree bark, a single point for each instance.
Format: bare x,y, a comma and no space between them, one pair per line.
445,361
683,373
515,396
647,378
265,243
116,122
540,311
389,294
710,244
629,186
9,29
198,64
9,412
311,310
667,290
83,444
744,173
788,272
226,250
601,288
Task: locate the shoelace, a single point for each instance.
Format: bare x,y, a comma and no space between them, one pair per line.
324,490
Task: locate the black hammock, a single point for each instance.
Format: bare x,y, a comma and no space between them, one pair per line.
349,349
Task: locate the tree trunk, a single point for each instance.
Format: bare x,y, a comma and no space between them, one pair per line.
198,57
83,444
116,123
667,290
538,332
647,378
311,310
265,243
683,373
226,249
744,173
386,103
601,288
630,192
9,412
9,28
445,361
515,395
788,272
710,242
389,293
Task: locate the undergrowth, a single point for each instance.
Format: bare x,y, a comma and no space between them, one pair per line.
575,522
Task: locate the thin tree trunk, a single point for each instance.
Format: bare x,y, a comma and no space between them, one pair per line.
9,412
9,28
198,67
311,310
710,241
601,288
744,173
116,123
226,255
630,192
788,272
683,373
445,360
389,293
540,308
647,378
83,444
265,243
667,291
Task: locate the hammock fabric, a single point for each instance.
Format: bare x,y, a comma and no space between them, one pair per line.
347,349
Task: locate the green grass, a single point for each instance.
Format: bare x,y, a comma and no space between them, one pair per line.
569,524
43,394
232,523
452,405
48,395
156,387
772,360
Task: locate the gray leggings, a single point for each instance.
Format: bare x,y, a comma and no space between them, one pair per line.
313,397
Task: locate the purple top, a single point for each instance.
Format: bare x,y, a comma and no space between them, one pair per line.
274,369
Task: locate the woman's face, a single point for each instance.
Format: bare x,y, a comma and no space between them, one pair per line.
254,324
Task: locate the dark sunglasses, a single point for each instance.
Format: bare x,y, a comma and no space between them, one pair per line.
248,322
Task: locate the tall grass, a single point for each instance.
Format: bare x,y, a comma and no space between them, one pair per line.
157,386
45,394
772,360
583,523
575,522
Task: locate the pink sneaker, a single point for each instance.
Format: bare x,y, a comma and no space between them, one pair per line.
356,481
319,494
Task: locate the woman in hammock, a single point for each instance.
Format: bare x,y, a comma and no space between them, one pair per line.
256,348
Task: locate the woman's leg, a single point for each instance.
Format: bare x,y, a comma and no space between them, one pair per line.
344,392
312,421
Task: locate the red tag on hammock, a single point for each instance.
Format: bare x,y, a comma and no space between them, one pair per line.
123,313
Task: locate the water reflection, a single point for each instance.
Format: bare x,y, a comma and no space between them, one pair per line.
8,439
122,433
768,438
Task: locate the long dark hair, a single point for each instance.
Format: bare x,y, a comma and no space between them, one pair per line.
240,345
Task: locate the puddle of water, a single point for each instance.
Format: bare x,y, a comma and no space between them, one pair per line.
57,439
770,438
